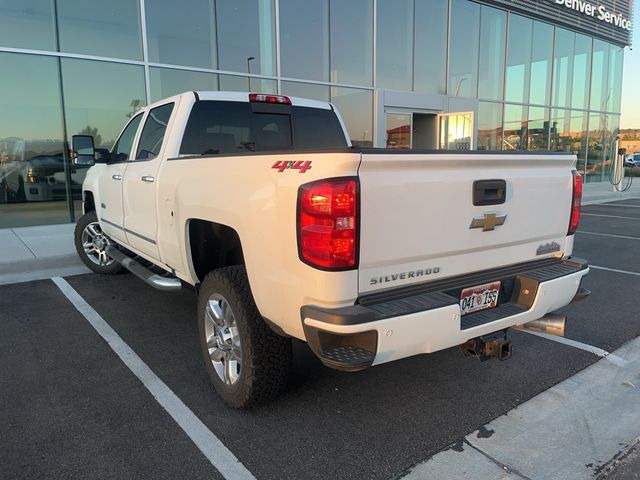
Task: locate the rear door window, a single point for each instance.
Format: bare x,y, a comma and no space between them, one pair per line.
222,128
122,148
153,132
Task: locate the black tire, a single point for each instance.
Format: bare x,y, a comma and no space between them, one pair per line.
265,357
109,266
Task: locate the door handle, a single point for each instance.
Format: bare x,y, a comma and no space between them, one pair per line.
148,178
116,177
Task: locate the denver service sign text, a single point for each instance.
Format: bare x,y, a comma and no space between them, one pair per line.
599,12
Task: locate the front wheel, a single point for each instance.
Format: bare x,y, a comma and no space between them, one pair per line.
247,362
91,244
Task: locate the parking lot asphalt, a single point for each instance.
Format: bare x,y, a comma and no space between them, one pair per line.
71,409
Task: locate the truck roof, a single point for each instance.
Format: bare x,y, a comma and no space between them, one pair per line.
241,97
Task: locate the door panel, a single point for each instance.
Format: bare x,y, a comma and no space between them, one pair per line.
110,210
139,183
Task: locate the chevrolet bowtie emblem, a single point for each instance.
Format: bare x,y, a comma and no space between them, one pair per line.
489,221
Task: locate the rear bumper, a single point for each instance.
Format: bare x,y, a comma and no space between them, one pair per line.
392,325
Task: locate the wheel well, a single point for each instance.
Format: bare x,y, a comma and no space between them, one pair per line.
213,246
88,203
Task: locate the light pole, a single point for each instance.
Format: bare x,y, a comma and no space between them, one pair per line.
249,71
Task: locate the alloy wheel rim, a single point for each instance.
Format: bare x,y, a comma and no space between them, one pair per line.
222,339
95,243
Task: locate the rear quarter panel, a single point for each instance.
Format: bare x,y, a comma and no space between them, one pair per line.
259,202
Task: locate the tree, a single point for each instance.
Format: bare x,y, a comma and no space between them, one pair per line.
93,132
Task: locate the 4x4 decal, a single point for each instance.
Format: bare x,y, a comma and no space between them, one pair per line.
281,166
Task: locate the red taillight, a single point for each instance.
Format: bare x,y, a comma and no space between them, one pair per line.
327,223
262,98
575,203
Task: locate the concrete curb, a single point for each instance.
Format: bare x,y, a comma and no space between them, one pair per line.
41,268
574,430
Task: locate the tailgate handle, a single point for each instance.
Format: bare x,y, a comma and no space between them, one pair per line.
489,192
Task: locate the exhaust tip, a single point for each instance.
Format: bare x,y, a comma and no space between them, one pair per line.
551,323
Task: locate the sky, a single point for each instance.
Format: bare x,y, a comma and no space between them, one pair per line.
631,77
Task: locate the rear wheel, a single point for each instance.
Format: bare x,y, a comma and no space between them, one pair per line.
91,244
247,362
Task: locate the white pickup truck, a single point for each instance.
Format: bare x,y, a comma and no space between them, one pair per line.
286,231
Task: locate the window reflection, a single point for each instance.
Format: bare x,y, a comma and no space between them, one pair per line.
165,82
356,108
430,46
246,36
106,29
600,97
538,129
394,61
456,131
603,130
179,39
398,131
306,90
563,67
463,54
304,39
121,90
351,30
541,57
616,59
581,72
493,25
518,59
568,133
515,127
33,170
27,24
489,126
233,83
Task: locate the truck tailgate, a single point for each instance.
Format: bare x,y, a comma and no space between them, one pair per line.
417,211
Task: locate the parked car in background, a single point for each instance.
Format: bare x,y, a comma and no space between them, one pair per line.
632,160
41,178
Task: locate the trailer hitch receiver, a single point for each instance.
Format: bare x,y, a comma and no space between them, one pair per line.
494,345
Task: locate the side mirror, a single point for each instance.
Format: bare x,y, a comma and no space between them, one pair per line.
82,150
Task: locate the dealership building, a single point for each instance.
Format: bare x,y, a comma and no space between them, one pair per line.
437,74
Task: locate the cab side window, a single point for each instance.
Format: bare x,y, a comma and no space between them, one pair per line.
153,132
122,148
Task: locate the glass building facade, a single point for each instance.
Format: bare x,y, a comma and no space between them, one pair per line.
449,74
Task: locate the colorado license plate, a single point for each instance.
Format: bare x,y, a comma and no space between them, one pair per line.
480,297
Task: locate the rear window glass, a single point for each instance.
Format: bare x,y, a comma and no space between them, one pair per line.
218,127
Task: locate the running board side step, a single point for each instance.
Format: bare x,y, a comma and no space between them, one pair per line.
167,284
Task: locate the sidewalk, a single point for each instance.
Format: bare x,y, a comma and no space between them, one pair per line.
583,427
605,192
32,253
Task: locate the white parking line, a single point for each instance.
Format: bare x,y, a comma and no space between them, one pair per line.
609,216
220,456
612,205
609,235
615,270
620,362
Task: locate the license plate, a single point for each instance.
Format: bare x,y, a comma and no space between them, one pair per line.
480,297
